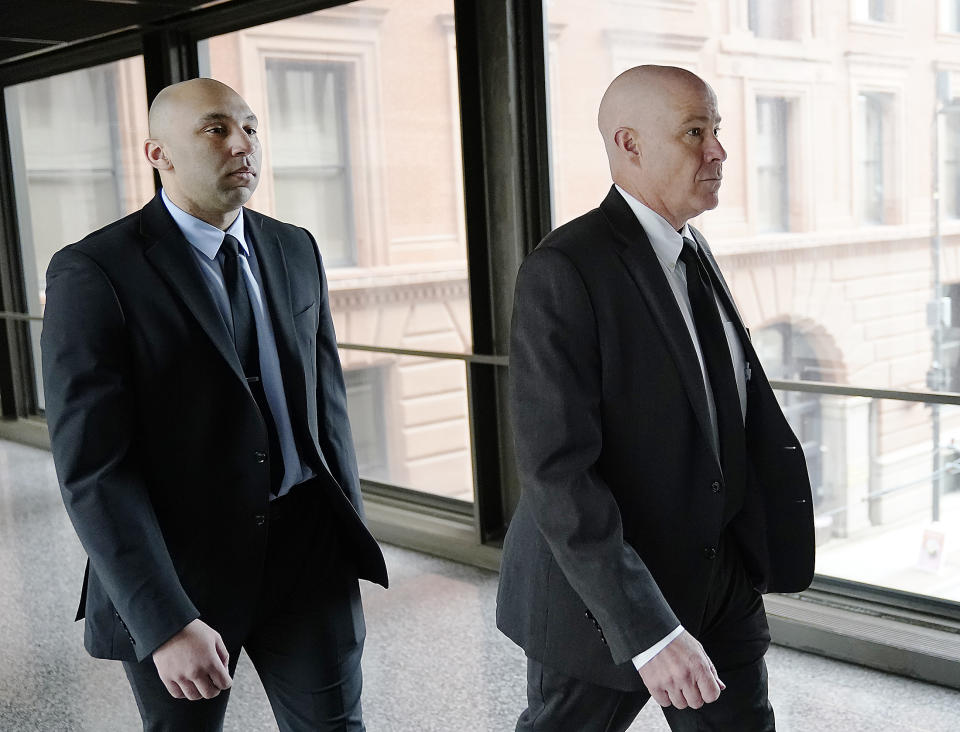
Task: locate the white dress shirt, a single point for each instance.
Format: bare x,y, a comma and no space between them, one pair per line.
667,244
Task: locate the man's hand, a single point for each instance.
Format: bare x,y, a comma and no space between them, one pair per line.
193,664
682,675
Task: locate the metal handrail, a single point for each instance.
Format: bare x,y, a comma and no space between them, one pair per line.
6,315
798,385
902,395
487,359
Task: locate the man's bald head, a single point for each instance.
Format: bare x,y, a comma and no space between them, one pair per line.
203,141
174,100
636,97
658,125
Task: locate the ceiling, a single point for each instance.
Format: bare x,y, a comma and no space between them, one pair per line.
29,27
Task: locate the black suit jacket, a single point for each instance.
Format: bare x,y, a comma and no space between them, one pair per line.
157,440
619,510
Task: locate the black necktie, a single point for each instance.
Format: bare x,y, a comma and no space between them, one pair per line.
245,340
716,356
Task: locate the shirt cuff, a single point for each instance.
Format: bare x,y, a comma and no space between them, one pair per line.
641,659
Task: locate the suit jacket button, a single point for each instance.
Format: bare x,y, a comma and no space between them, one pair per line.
715,486
260,519
261,457
710,552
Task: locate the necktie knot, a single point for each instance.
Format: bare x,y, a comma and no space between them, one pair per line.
230,245
688,254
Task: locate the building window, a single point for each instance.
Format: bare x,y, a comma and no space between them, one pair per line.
309,148
950,187
877,11
365,403
771,19
874,111
773,170
950,16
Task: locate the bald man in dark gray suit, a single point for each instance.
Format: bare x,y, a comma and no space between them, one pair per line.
663,490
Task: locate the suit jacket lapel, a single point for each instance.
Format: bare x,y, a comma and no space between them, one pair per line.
641,261
170,254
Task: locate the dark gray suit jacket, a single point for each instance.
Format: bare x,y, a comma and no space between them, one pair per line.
157,440
619,510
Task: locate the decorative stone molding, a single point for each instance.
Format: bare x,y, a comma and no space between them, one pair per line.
360,298
630,48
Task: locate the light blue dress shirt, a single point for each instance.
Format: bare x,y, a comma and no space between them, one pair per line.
206,241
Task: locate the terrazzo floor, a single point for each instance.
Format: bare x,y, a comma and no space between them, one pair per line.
434,661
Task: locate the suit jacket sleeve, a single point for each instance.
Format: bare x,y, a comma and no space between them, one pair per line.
90,412
556,393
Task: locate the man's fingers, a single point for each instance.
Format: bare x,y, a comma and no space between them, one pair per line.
190,690
676,698
220,677
716,675
693,696
173,689
661,697
709,688
222,652
206,686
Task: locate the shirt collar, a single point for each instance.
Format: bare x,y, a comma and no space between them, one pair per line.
204,237
666,241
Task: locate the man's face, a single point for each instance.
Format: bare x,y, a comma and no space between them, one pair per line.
214,151
680,165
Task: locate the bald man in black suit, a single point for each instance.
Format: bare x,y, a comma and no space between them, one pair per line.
663,490
199,428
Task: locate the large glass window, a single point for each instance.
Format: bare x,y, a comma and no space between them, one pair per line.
773,172
771,19
825,233
367,420
874,111
75,144
360,122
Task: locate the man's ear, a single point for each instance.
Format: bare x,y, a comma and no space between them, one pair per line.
626,139
156,155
